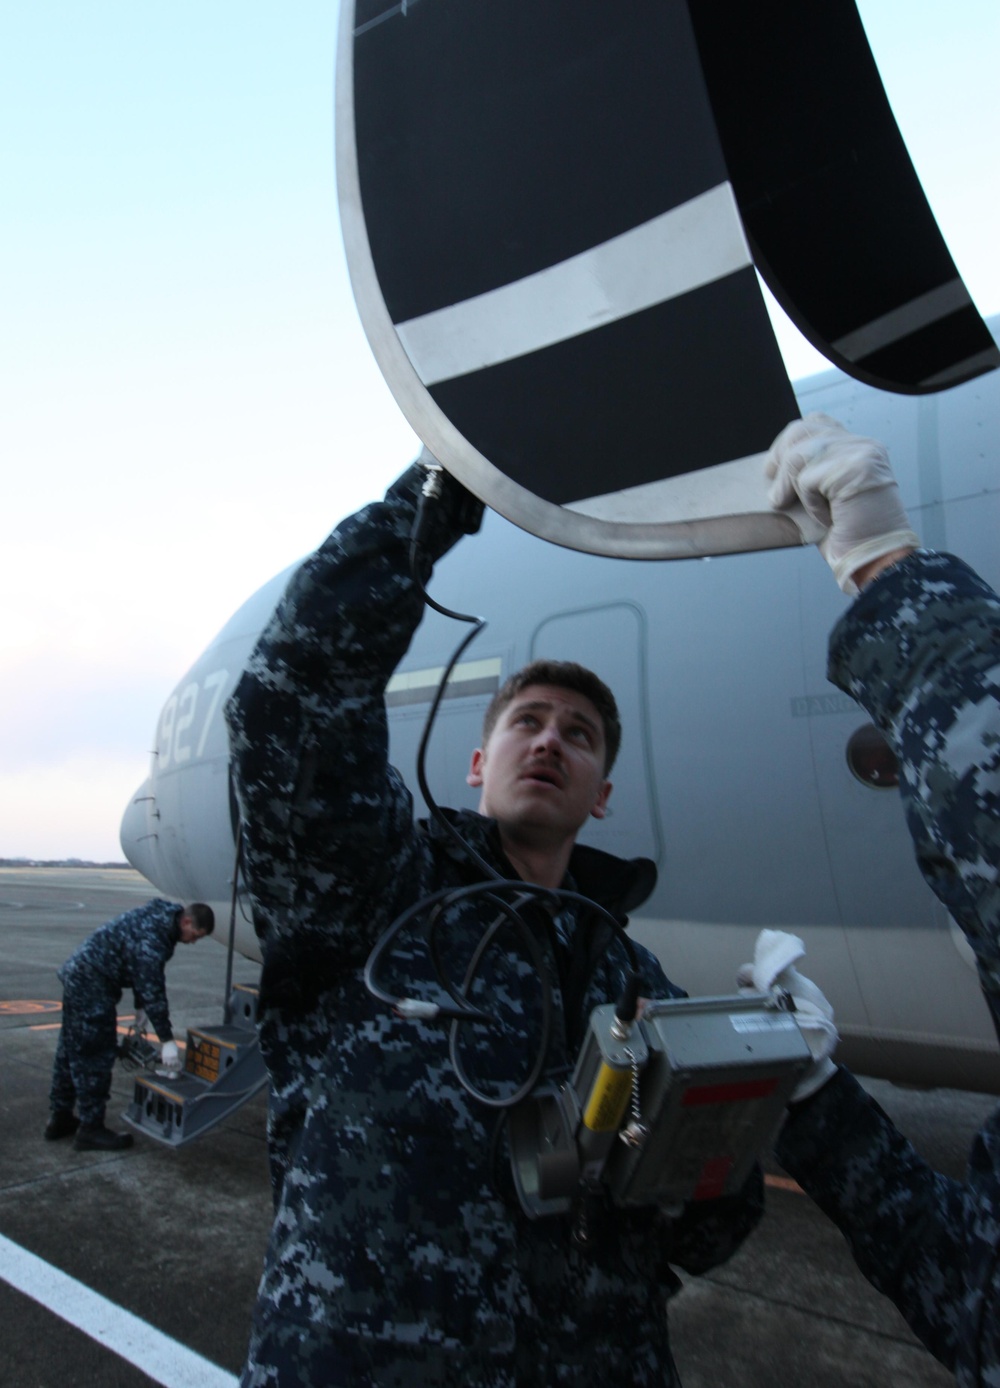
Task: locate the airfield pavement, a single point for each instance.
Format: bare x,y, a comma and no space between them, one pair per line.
175,1238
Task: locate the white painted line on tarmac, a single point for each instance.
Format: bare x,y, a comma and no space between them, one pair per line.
164,1360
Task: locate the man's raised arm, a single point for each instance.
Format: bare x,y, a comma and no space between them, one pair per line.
308,735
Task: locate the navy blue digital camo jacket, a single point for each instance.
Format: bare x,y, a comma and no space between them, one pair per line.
399,1254
920,651
131,951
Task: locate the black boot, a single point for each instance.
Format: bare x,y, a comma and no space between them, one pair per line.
97,1138
63,1123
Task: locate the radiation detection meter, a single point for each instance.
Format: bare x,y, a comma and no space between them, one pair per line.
671,1107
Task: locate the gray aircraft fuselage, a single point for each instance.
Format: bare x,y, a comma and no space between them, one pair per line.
733,774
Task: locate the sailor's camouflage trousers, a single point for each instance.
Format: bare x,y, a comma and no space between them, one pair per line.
85,1052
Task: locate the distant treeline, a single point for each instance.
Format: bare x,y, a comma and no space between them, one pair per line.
57,862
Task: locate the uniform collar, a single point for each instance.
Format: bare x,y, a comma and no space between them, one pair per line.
618,884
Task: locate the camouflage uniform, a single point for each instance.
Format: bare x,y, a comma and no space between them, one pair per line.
128,952
399,1254
920,650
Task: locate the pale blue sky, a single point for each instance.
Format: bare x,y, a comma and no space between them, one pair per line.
187,399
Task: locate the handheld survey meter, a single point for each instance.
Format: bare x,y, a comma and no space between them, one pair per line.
669,1108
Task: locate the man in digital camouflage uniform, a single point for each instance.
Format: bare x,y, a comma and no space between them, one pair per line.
127,952
920,651
399,1253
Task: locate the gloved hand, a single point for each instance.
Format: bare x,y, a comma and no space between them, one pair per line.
141,1021
771,972
846,484
170,1057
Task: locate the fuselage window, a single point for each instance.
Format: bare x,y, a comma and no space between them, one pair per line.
871,758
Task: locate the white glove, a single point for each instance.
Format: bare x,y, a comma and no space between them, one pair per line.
141,1021
771,972
170,1057
846,484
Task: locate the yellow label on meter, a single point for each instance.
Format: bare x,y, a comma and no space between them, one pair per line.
608,1098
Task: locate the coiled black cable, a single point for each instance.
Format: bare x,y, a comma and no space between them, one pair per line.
494,888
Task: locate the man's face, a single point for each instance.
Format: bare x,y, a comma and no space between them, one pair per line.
189,931
542,770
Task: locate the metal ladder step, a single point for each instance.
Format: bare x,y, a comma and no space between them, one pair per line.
243,1005
223,1068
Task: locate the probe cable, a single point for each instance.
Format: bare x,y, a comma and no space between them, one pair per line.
437,905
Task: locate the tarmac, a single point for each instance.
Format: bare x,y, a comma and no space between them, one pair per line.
132,1268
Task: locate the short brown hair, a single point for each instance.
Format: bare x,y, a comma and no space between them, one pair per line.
563,674
202,917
